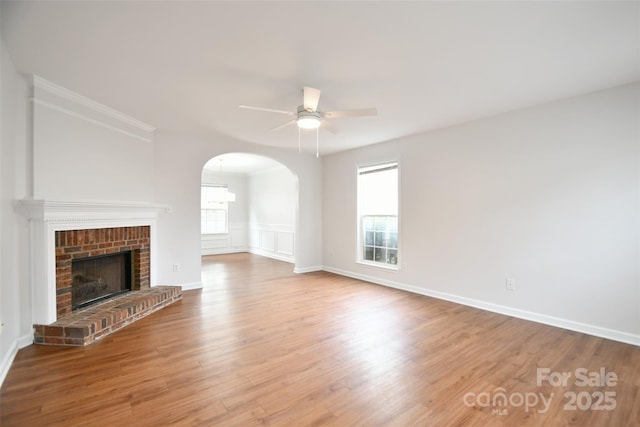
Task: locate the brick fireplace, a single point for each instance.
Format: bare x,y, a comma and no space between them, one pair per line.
64,231
80,244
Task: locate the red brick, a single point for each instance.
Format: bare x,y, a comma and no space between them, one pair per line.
53,331
96,325
62,257
101,334
63,280
76,332
76,244
63,269
65,238
80,255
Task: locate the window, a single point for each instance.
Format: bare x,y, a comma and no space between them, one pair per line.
378,214
213,209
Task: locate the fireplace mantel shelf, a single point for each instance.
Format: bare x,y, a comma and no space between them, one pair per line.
53,210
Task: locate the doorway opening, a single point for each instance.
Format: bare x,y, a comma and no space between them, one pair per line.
249,204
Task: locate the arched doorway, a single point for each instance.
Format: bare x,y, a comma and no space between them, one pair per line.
249,204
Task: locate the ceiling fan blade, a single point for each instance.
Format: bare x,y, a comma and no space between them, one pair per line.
270,110
285,124
328,126
311,97
362,112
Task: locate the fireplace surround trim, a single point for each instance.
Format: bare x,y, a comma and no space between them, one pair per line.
46,217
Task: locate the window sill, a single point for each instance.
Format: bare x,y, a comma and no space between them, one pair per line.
381,266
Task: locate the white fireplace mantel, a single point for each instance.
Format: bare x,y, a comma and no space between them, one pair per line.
46,217
65,211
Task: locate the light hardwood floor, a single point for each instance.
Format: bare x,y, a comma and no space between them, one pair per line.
260,345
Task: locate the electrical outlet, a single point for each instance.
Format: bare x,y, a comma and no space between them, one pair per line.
510,284
176,268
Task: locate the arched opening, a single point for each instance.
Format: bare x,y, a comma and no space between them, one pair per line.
248,204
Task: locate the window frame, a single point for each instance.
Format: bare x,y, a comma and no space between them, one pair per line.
225,209
360,233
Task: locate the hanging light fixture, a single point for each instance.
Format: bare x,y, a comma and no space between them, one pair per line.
227,196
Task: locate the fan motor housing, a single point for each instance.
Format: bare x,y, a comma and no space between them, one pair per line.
308,119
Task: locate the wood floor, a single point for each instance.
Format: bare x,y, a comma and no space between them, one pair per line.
260,345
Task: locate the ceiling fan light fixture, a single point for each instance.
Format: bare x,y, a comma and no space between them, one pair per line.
308,120
308,117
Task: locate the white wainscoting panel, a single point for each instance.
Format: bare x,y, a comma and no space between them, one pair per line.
239,237
233,241
268,240
285,244
273,241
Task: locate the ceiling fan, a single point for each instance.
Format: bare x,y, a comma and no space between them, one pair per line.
308,116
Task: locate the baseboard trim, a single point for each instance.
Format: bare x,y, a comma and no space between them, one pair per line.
273,255
7,361
191,286
223,251
558,322
303,270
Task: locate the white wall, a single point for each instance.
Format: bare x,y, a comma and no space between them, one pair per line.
15,183
236,240
179,158
549,196
273,196
84,151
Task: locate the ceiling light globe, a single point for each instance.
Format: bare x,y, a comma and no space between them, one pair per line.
308,122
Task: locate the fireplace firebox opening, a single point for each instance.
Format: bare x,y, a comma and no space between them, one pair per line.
100,277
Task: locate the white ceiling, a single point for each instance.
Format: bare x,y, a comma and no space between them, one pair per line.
184,65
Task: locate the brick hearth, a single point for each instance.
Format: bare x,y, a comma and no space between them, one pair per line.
84,326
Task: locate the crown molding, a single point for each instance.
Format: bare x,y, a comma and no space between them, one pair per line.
88,119
54,96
